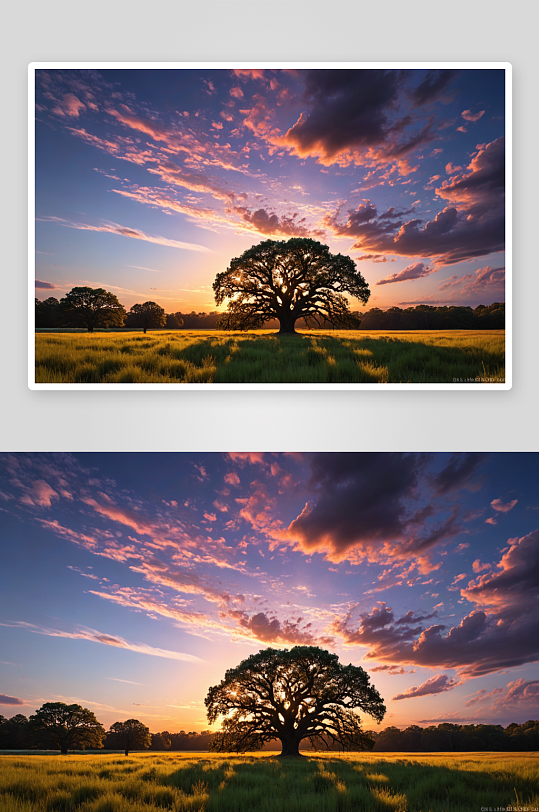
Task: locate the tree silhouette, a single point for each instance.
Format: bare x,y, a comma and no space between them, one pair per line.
146,315
174,321
67,726
288,280
291,695
129,735
161,741
93,307
49,313
15,733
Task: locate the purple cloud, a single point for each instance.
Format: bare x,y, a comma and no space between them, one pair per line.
10,700
434,685
45,285
414,271
471,225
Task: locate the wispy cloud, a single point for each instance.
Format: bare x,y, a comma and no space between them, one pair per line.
105,639
124,231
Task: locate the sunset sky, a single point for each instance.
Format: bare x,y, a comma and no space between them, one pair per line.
131,582
148,181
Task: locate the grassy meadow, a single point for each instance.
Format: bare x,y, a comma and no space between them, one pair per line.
366,782
314,356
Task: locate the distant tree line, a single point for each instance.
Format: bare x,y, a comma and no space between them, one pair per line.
450,737
93,308
427,317
57,726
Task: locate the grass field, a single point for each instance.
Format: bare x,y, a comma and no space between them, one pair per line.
373,782
315,356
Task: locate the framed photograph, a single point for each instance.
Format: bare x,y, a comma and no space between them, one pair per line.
281,226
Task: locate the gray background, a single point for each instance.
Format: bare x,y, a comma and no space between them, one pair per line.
268,30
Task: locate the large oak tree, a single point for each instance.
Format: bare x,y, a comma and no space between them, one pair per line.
289,280
291,695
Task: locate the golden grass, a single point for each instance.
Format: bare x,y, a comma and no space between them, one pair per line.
261,782
262,356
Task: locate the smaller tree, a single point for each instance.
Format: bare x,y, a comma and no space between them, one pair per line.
146,315
129,735
93,307
66,727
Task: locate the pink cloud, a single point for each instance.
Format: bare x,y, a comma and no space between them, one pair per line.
232,479
181,580
268,629
503,507
125,516
469,116
252,73
434,685
415,271
142,599
100,543
477,566
39,494
130,119
253,457
69,106
485,281
519,694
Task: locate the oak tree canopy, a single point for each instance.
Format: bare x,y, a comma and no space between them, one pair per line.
93,307
291,695
146,315
129,735
67,727
288,280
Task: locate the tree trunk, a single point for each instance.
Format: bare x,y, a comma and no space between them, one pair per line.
91,329
63,750
127,752
287,322
144,328
290,746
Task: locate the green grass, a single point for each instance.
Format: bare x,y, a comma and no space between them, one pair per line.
315,356
373,782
